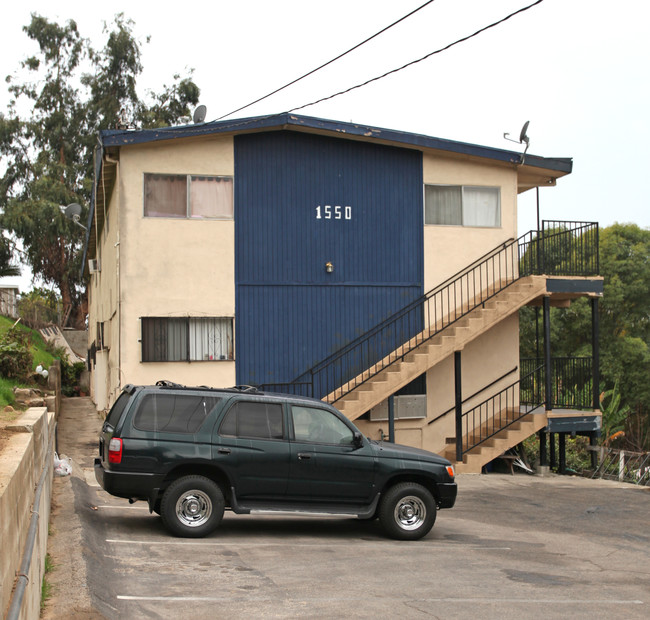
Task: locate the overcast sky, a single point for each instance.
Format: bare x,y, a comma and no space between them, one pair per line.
578,70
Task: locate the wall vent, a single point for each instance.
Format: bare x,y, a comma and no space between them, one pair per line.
94,266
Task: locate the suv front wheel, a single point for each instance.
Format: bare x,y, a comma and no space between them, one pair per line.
407,511
192,506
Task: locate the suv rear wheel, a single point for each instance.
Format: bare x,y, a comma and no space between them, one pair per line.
407,511
192,506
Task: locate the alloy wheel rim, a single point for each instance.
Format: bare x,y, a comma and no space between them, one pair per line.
410,512
193,508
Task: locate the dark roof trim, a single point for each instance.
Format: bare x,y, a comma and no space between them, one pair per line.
288,121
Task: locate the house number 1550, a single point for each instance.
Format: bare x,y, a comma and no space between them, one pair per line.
337,212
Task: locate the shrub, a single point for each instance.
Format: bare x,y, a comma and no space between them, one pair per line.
15,357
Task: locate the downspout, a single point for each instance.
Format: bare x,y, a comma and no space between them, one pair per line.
119,284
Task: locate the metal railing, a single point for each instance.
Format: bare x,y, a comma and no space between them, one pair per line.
571,382
498,412
623,465
560,248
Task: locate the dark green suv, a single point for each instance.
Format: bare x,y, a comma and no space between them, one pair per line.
193,452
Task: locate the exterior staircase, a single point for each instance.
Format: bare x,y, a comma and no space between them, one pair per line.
448,318
410,360
490,449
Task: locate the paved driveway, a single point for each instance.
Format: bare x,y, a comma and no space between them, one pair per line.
513,547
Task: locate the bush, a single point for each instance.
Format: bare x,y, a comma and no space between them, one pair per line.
70,374
15,357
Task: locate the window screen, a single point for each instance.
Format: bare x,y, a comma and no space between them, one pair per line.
186,339
254,420
456,205
173,413
165,195
188,196
211,197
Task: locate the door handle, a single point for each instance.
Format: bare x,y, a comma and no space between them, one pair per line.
304,456
224,450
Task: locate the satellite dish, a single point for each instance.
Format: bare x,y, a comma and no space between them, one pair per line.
522,136
199,114
73,211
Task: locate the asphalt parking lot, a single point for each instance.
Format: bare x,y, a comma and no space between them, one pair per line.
514,546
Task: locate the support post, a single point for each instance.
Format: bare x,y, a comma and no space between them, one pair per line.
594,456
595,351
548,395
540,268
562,447
543,458
458,392
391,418
553,462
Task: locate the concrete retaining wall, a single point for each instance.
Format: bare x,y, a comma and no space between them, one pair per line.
21,465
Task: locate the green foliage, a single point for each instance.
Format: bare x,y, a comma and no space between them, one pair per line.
624,335
614,415
46,587
38,307
15,357
70,373
6,392
47,158
6,257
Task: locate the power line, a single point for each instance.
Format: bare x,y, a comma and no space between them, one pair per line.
413,62
329,62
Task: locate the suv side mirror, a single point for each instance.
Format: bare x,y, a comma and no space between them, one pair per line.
357,439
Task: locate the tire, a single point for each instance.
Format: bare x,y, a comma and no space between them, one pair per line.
407,511
192,506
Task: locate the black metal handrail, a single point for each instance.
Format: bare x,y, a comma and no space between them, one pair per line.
571,381
559,248
471,397
498,412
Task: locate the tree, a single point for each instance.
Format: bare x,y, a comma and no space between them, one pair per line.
6,257
48,157
624,338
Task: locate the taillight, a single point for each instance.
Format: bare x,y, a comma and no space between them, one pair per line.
450,471
115,450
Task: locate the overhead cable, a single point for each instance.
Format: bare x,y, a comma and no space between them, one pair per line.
413,62
329,62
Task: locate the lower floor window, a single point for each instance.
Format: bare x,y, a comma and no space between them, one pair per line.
186,339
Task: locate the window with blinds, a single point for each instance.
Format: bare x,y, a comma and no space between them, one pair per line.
186,339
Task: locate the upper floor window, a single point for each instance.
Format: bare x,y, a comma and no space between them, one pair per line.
462,205
188,196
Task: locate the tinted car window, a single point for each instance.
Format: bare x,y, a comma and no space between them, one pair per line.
115,413
254,420
173,413
319,426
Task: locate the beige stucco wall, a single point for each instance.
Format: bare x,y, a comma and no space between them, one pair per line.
163,267
103,293
448,249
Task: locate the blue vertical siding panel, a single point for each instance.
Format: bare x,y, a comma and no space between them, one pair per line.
291,313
